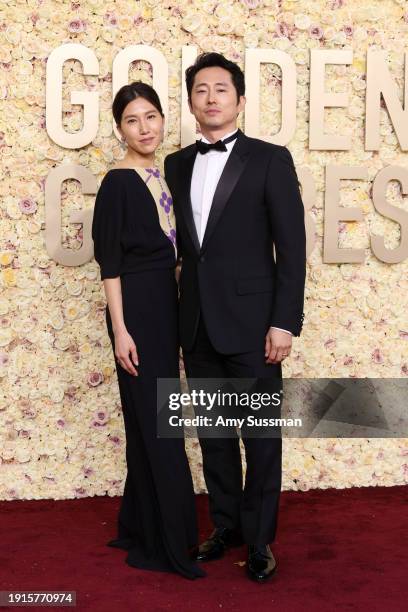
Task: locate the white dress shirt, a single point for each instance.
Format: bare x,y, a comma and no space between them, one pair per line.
207,171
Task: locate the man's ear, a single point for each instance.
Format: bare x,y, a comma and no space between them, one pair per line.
242,102
190,107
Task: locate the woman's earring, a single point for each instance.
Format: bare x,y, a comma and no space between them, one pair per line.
123,143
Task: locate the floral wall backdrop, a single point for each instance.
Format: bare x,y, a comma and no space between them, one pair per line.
61,427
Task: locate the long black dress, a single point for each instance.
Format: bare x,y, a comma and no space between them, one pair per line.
157,519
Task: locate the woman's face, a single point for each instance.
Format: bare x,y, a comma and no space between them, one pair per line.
142,126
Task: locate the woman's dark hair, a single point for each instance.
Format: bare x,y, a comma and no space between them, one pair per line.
208,60
130,92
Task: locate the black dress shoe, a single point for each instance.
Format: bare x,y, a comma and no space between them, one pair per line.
220,539
261,563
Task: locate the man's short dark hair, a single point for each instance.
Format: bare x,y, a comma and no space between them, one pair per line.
209,60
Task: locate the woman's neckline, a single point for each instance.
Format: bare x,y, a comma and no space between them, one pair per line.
136,167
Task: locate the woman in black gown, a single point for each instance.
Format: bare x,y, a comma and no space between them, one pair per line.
133,230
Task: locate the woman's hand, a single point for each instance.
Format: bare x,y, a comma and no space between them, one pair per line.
124,346
177,273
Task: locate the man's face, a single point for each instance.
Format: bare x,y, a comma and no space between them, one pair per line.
214,99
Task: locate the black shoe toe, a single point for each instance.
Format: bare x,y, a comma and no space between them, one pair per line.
220,539
261,563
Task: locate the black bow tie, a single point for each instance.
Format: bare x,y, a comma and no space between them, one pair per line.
204,147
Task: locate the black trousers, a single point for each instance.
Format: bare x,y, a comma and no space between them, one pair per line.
251,507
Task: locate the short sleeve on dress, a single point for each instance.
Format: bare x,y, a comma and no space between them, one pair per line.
107,225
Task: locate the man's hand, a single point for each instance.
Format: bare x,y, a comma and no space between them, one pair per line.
278,345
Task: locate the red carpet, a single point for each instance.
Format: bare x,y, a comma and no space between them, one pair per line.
335,548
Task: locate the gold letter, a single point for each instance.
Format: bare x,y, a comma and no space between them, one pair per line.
379,82
188,121
334,213
319,100
309,199
53,97
390,173
55,178
253,60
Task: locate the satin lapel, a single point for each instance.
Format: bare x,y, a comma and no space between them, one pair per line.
185,199
228,180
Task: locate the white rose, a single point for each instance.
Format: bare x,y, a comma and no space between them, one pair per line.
302,22
191,22
56,320
225,26
73,287
62,342
13,34
12,208
4,306
22,455
71,309
56,392
6,336
108,34
147,34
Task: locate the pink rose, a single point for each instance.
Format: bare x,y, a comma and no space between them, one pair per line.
95,379
111,19
376,356
4,359
76,26
283,30
101,417
251,4
28,206
316,31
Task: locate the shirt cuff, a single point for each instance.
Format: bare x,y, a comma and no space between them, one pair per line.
285,330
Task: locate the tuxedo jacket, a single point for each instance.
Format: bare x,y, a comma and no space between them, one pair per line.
234,280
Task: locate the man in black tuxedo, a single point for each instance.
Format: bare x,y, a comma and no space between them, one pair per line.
236,198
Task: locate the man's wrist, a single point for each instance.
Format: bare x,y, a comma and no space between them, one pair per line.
281,329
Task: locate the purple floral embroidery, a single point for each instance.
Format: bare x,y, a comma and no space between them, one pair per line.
172,236
152,172
166,201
